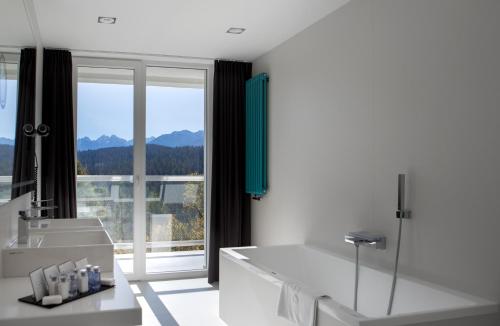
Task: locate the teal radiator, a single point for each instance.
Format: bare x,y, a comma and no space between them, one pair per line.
256,136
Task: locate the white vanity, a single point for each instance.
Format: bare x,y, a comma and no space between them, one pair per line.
54,242
116,306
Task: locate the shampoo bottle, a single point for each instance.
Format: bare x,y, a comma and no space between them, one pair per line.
63,286
83,281
52,285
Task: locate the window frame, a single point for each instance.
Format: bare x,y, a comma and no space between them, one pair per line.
13,58
139,66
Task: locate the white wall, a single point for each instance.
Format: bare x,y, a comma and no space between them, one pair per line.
379,87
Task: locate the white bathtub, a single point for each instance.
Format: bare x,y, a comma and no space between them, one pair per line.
250,281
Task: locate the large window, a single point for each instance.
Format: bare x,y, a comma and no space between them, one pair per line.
105,110
8,92
141,161
175,213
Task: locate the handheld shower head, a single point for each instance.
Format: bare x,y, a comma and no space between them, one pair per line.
402,212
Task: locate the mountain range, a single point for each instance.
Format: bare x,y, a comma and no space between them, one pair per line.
6,141
175,139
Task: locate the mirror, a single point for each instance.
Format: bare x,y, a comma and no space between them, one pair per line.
15,34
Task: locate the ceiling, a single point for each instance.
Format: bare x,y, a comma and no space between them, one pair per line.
187,28
14,26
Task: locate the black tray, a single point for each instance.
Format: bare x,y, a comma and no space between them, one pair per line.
31,300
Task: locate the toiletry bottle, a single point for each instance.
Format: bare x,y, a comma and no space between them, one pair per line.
83,281
52,285
63,286
76,272
96,278
88,268
73,285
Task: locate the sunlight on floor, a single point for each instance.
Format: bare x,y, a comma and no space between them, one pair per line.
148,316
189,302
196,308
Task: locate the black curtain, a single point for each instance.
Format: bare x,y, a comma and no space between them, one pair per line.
58,149
230,206
24,148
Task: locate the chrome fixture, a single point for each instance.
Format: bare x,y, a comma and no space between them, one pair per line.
401,213
29,215
235,30
42,130
366,239
106,20
29,131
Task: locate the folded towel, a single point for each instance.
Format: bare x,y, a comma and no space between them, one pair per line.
108,281
51,299
298,304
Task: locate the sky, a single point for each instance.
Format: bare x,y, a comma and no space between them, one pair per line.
8,114
107,109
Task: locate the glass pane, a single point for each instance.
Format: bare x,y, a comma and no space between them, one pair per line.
105,154
175,216
7,130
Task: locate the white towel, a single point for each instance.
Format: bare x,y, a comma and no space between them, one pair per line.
298,304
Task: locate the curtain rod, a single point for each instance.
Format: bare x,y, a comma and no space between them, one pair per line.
80,52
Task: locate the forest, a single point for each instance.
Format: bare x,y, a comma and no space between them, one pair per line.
160,160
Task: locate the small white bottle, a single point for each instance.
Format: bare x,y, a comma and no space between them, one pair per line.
63,286
83,281
52,285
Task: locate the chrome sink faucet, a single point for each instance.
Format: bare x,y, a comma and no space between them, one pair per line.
27,216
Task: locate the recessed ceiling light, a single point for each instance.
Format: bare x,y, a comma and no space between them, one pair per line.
106,20
235,30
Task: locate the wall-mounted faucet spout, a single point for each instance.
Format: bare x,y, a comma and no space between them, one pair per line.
29,215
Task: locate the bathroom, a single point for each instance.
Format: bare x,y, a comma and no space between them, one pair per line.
357,96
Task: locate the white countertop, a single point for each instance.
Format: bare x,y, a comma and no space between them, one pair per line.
117,306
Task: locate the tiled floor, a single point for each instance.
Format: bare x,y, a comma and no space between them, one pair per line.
188,302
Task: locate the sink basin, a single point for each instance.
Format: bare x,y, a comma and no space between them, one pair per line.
69,224
77,238
54,248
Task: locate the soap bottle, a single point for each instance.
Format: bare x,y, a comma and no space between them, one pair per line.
73,285
63,286
83,281
96,278
52,285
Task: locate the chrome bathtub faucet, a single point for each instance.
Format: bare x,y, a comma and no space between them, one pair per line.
367,239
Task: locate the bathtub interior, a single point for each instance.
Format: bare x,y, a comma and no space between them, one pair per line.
334,275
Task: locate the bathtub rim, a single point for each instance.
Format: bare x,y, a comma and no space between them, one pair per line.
347,315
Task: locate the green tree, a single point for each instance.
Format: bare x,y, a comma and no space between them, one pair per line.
80,169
